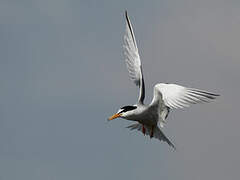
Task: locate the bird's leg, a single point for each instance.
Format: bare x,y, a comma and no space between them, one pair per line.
143,129
151,134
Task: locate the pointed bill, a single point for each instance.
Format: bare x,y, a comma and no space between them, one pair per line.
114,116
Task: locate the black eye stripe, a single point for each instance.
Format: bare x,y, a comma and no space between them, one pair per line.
128,108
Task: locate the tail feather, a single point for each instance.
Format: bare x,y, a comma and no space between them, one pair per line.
158,134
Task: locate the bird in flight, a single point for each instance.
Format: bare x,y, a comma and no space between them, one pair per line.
150,118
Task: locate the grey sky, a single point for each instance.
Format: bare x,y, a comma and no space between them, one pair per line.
62,74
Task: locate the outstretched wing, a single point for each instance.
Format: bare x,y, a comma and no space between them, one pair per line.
132,59
175,96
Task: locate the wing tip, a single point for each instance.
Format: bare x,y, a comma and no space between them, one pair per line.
205,94
202,91
126,15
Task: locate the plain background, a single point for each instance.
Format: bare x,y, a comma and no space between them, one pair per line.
62,74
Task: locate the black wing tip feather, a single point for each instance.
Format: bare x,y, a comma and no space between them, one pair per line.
203,94
201,91
126,16
130,27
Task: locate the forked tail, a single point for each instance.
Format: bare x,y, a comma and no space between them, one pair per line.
158,134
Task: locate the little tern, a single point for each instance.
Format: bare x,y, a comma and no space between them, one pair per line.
150,118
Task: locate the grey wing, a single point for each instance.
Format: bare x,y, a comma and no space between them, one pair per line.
170,96
132,59
176,96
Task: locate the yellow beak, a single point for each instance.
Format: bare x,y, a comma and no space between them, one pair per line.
114,116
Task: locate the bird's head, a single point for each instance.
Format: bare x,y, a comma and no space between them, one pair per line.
123,112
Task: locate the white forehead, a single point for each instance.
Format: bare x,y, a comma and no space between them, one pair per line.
119,110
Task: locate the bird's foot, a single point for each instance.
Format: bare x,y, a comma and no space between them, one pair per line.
151,134
143,130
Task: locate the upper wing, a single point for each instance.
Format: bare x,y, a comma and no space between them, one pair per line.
175,96
132,59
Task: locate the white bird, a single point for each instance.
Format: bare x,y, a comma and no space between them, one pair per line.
150,118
